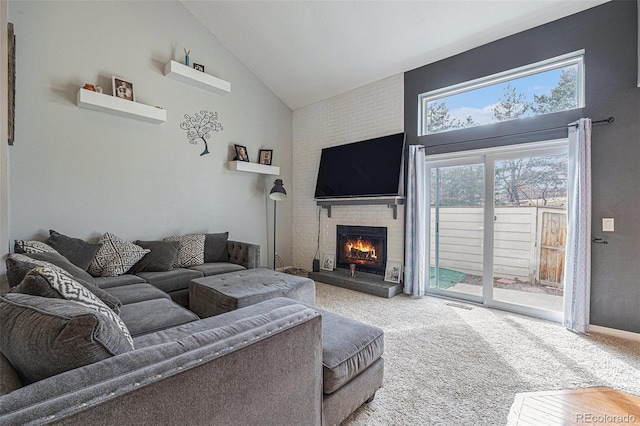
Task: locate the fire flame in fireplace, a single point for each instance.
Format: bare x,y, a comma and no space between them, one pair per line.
360,250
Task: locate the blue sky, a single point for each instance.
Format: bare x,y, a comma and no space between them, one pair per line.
478,103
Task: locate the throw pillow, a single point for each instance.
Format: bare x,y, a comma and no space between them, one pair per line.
79,252
191,251
115,256
72,290
215,247
22,246
43,337
19,265
161,258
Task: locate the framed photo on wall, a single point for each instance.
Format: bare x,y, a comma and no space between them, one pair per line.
265,157
241,153
328,262
122,89
393,272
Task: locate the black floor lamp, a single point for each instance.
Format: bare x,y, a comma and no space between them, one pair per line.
277,194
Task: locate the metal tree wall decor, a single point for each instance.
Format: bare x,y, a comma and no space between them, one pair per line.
199,126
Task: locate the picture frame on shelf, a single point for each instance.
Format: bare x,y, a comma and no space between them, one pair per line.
198,67
265,157
393,272
241,153
328,262
122,89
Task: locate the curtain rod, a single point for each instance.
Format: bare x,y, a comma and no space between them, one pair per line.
606,120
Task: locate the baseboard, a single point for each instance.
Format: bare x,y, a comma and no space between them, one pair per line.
615,332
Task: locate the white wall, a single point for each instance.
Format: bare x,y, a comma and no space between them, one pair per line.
84,172
370,111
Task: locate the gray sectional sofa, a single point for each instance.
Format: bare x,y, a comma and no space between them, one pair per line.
175,283
276,362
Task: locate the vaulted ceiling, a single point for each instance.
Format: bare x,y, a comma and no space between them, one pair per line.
307,51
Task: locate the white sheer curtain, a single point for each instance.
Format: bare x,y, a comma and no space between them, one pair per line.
577,279
415,246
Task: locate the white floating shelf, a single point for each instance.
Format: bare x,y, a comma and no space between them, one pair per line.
245,166
122,107
183,73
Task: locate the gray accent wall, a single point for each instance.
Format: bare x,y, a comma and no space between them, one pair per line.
609,35
84,172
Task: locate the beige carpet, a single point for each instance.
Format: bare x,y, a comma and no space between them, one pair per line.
445,365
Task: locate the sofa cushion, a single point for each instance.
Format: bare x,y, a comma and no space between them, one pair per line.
217,268
115,256
23,246
176,279
348,348
122,280
154,315
42,337
79,252
134,293
191,251
19,265
161,258
10,378
215,247
72,290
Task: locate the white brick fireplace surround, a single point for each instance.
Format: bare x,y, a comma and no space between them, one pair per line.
367,112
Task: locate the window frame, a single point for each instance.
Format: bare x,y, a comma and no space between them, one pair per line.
568,59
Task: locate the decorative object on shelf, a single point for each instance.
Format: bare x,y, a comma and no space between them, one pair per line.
393,272
98,88
277,193
186,56
241,153
198,67
328,262
265,157
122,89
11,95
89,87
199,126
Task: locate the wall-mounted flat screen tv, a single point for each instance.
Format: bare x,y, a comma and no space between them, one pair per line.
370,168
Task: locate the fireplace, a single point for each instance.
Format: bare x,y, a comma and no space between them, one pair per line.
364,246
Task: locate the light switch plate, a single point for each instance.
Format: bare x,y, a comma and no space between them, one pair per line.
607,224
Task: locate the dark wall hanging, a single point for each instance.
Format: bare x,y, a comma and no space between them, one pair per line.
199,126
11,98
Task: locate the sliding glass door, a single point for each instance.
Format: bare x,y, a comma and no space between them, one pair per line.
498,227
456,228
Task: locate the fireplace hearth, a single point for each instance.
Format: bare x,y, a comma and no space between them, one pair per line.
364,246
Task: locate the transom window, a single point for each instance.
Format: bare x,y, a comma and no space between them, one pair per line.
554,85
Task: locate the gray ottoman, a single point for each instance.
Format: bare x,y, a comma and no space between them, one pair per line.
217,294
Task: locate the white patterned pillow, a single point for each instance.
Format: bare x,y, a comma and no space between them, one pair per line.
191,252
70,289
115,256
34,247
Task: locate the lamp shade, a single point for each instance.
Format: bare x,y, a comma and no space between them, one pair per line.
278,192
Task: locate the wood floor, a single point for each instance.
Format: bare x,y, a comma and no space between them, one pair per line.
600,406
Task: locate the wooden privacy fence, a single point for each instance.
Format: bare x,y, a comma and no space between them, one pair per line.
529,242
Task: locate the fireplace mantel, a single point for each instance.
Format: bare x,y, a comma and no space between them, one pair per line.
391,202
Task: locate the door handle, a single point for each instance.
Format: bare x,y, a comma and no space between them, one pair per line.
599,241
